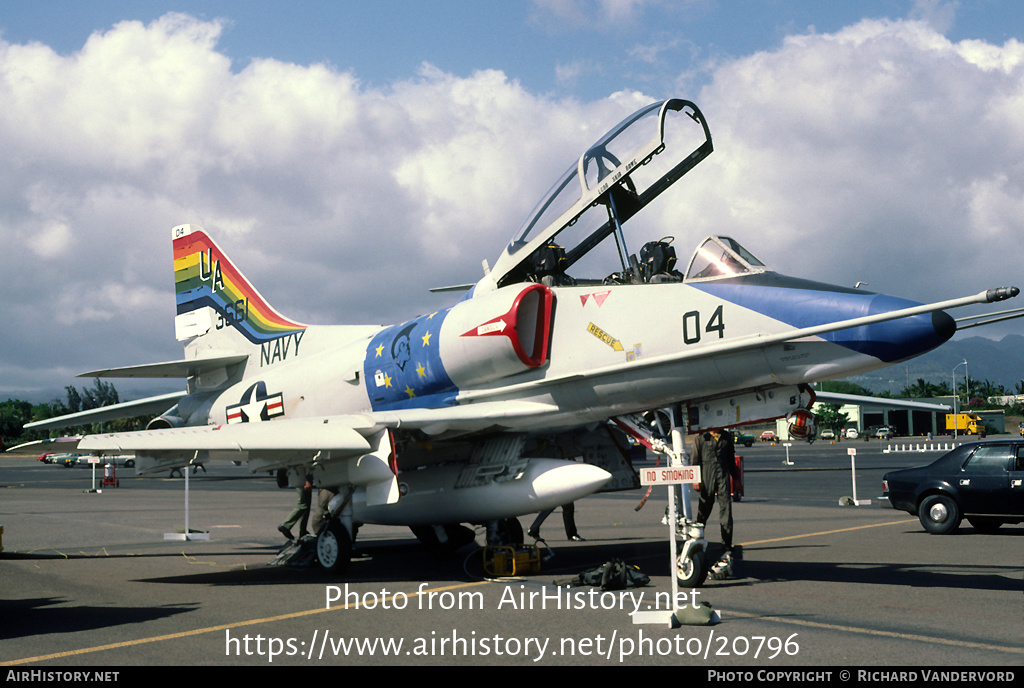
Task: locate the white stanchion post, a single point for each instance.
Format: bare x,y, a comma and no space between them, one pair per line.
188,534
853,476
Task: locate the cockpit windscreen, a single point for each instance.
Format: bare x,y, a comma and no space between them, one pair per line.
722,257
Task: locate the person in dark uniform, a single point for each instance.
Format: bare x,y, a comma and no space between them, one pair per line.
715,453
568,521
300,514
321,513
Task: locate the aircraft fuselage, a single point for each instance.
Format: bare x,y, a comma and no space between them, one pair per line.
590,352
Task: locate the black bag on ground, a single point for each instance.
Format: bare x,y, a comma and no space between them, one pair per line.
613,575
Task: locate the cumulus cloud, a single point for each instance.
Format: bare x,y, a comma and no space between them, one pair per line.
340,202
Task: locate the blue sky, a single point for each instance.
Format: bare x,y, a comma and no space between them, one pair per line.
610,43
349,155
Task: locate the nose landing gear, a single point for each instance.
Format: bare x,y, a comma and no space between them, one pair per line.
692,562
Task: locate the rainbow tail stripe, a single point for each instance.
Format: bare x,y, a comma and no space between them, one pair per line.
204,278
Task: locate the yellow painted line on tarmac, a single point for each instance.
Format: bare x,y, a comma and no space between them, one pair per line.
214,629
831,532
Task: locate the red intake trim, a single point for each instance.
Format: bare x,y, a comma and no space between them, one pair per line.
527,325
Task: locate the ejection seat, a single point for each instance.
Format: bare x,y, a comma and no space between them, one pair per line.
549,266
657,262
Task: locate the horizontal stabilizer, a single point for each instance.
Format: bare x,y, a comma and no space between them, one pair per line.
170,369
128,409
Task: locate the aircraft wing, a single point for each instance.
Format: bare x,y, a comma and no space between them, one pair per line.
352,449
308,435
62,445
349,449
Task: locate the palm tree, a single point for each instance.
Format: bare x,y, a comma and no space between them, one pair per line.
923,389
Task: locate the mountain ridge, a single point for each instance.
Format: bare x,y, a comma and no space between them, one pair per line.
1001,361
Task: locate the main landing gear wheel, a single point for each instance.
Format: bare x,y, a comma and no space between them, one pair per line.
939,514
692,568
334,547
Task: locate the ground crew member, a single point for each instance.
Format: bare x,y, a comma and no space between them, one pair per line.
715,453
300,514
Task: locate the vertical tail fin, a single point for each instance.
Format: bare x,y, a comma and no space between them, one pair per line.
212,294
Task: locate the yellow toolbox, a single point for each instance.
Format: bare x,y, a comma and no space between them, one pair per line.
511,560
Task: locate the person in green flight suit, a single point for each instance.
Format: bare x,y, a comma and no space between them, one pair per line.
714,452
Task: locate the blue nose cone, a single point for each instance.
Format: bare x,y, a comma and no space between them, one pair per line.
896,340
801,304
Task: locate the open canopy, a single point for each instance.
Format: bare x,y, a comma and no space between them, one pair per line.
608,184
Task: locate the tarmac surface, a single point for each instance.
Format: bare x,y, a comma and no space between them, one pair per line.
88,579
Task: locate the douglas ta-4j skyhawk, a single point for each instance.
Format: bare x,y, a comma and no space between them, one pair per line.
519,397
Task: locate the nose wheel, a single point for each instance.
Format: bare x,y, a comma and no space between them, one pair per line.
692,561
692,568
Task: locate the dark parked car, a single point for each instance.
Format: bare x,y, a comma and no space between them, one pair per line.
982,481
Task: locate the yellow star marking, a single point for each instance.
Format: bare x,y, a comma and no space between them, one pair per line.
387,380
408,390
421,370
426,339
380,349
